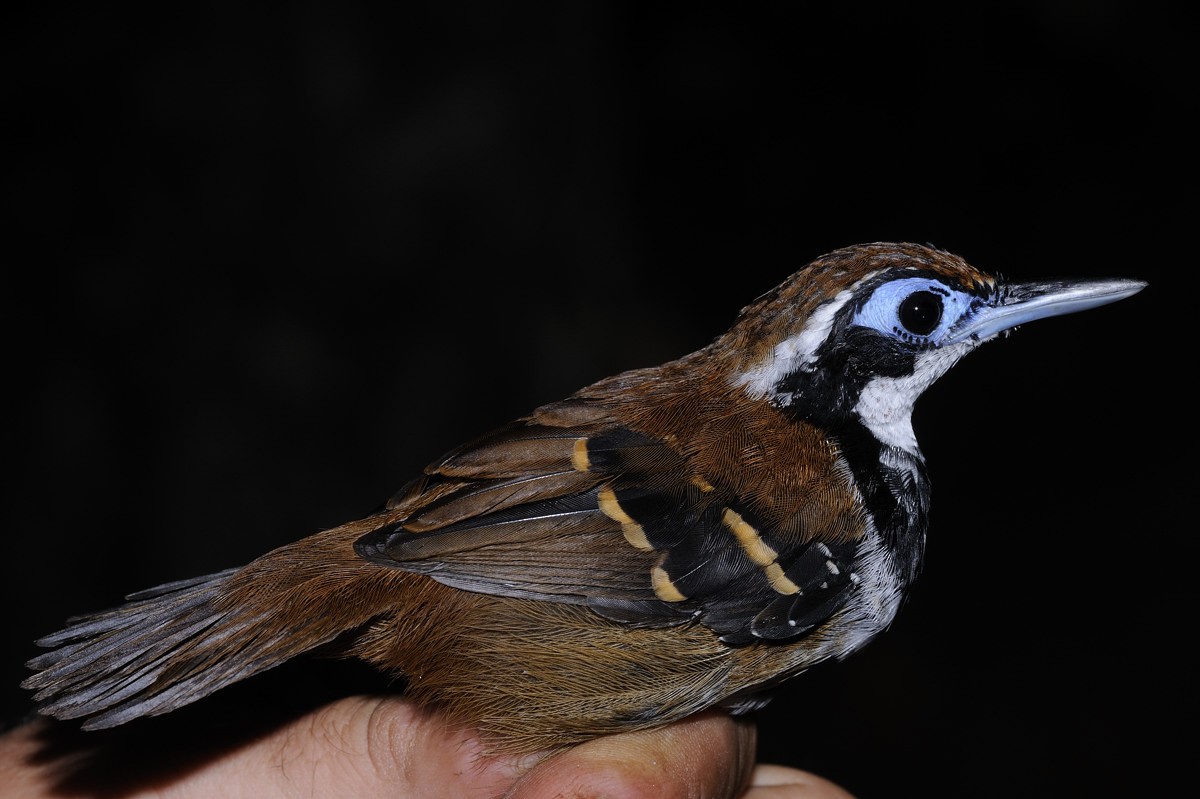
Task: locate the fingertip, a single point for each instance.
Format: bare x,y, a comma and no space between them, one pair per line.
770,781
587,778
709,755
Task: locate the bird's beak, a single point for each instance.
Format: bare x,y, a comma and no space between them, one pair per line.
1019,303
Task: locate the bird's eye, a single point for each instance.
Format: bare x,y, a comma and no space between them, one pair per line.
916,310
920,312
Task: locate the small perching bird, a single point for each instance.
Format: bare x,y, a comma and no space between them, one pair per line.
664,541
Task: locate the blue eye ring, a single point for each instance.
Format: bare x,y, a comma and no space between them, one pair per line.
919,311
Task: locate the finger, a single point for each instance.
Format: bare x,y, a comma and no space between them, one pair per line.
366,747
361,747
779,782
709,756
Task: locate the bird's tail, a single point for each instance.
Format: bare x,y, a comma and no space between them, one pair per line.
171,645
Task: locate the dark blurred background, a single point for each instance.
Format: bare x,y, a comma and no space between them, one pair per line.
266,264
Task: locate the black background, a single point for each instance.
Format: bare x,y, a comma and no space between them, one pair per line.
266,264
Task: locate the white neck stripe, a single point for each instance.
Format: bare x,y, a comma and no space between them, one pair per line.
794,352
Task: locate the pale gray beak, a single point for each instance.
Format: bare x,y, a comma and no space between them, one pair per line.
1019,303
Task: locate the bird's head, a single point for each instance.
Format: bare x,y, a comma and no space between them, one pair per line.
859,334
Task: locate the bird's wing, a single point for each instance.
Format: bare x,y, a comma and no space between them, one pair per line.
601,515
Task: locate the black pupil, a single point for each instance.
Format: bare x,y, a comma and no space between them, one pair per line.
920,312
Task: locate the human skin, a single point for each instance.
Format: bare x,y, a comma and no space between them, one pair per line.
376,746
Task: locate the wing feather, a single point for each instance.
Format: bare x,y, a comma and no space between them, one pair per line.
596,513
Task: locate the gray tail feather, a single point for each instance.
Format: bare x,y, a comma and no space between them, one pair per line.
166,647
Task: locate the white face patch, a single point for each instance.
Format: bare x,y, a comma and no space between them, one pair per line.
885,405
795,352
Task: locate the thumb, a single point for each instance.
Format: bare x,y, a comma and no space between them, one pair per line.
710,755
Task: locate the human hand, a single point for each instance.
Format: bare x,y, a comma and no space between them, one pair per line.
372,746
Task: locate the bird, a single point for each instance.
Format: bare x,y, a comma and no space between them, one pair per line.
664,541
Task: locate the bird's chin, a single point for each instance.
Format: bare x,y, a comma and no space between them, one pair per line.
885,405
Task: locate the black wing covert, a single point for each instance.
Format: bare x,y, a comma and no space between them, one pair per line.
613,519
